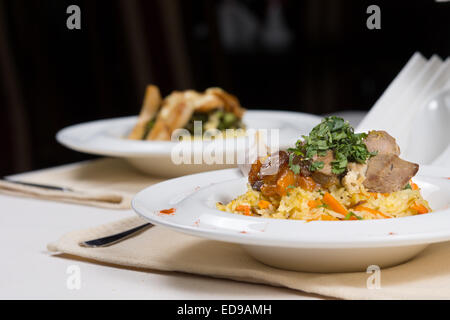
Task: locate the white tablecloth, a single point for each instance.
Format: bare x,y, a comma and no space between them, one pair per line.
28,271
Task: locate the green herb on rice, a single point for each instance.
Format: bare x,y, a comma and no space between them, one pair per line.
335,134
351,214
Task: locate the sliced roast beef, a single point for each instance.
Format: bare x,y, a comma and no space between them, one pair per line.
325,176
382,142
388,173
302,164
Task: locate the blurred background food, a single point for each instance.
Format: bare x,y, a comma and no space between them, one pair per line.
214,109
314,56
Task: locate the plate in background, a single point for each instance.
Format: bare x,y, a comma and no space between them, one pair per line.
107,138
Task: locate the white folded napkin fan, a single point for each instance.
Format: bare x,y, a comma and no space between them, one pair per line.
415,109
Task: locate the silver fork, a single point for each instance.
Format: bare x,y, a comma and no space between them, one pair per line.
37,185
115,238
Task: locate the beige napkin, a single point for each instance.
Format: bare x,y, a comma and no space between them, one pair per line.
107,183
425,277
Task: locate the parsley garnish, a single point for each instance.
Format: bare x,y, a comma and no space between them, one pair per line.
333,133
317,165
408,186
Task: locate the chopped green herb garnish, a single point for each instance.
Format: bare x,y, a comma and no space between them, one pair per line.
408,186
295,151
317,165
335,134
350,214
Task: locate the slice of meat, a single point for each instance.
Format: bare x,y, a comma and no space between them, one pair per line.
388,173
325,176
382,142
303,165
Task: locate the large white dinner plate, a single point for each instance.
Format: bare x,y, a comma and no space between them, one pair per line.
318,246
107,137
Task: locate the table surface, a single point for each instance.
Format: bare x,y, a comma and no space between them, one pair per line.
29,271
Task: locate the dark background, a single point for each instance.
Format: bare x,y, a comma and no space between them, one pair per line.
52,77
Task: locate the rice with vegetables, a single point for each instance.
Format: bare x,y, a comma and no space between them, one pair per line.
349,177
336,204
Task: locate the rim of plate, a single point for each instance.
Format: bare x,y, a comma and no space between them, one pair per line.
98,137
423,229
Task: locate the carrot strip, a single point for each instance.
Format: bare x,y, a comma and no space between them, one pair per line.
414,186
286,180
421,209
362,208
328,217
243,208
263,204
314,203
334,204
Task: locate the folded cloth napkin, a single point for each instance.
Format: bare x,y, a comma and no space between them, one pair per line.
107,183
425,277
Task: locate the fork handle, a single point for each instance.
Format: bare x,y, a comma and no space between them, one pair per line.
115,238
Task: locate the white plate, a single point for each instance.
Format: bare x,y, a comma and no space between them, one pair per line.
318,246
106,137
